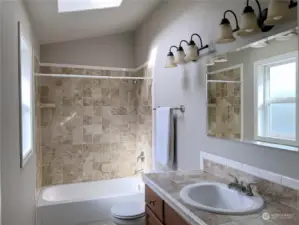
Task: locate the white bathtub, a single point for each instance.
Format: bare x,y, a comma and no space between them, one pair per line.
85,203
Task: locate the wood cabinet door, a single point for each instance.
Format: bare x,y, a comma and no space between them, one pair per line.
171,217
154,202
151,219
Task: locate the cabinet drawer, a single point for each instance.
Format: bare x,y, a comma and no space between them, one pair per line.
151,219
171,217
154,202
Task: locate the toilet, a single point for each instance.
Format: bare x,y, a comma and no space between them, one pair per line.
128,213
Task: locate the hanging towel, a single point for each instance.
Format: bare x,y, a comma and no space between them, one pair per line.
164,141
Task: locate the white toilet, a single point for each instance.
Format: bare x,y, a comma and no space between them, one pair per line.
128,213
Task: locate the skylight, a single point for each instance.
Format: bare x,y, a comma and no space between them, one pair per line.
81,5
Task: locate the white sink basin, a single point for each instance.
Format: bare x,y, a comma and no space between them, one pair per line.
218,198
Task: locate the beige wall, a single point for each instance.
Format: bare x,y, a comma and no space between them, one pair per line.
173,22
18,185
108,51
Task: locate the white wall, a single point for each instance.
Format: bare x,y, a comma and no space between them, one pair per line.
18,185
108,51
173,22
248,57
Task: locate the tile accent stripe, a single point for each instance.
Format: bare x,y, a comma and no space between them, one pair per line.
264,174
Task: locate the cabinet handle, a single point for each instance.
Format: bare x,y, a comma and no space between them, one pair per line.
152,202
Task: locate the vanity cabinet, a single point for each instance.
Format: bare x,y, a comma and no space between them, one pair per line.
158,212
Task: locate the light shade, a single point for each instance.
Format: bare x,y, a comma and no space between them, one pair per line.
170,61
249,23
277,11
226,32
180,56
192,53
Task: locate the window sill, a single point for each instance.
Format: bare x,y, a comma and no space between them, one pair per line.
278,146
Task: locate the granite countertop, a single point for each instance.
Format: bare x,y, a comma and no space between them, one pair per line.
168,186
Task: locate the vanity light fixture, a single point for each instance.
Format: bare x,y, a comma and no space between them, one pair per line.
278,10
193,50
170,59
180,54
250,23
226,31
180,57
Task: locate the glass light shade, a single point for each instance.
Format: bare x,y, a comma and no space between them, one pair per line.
226,34
180,57
277,10
192,53
170,62
249,24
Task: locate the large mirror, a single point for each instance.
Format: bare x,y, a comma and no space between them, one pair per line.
252,93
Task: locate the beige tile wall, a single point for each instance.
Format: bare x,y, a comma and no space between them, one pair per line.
97,129
224,104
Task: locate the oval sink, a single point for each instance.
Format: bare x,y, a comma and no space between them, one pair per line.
218,198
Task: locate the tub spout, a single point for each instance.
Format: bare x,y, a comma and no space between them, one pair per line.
139,171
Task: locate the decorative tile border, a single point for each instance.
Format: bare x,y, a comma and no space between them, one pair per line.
264,174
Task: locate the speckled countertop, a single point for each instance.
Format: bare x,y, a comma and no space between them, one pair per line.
168,186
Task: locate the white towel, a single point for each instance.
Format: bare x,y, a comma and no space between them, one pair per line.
164,141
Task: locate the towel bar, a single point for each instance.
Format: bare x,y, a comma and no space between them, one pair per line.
181,108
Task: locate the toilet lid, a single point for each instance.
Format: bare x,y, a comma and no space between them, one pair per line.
128,210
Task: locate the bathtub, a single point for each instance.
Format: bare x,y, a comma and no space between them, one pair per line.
85,203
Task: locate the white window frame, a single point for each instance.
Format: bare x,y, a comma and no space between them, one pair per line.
260,65
29,152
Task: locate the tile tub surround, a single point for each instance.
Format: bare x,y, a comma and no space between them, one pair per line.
280,207
95,129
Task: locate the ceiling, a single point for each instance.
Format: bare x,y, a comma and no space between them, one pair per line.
52,27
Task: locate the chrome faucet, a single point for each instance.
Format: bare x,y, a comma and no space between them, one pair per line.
239,186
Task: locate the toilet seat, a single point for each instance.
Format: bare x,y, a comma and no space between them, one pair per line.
128,210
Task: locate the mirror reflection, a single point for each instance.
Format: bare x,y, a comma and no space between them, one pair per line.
252,92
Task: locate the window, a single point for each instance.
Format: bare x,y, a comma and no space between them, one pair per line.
276,100
25,90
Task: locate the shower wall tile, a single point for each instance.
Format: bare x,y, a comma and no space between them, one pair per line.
98,128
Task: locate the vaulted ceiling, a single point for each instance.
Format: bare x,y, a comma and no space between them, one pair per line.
51,26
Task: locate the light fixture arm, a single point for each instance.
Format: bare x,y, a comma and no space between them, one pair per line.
258,5
197,35
173,46
182,42
234,14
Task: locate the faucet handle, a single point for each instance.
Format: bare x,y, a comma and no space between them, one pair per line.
235,178
249,189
